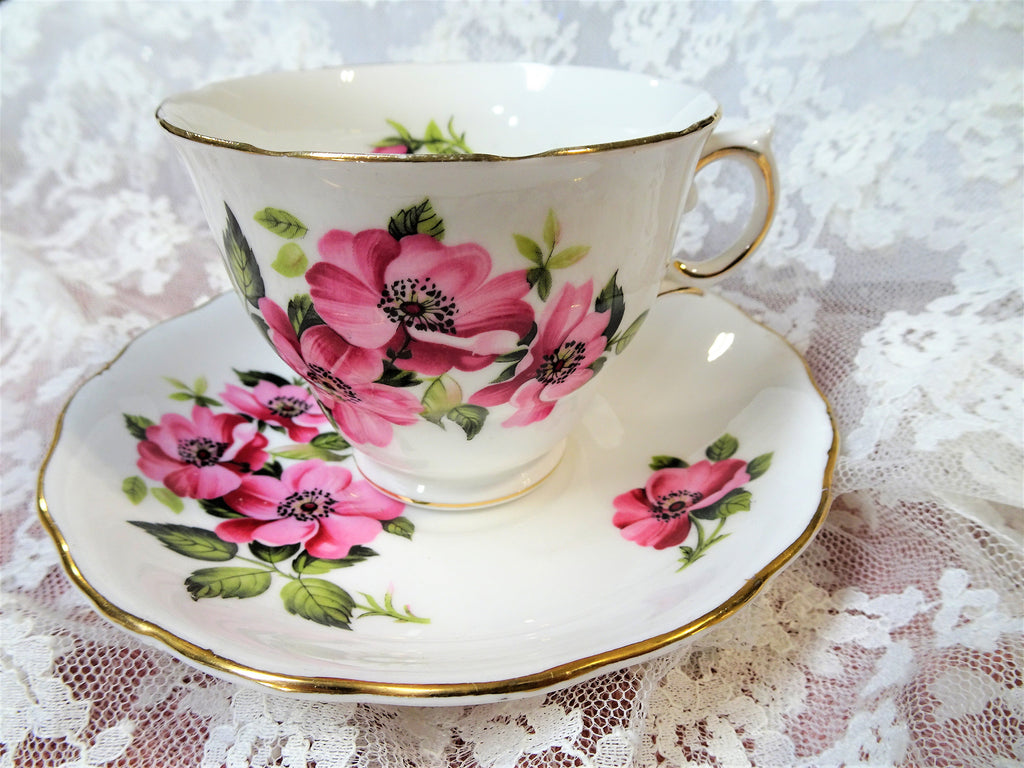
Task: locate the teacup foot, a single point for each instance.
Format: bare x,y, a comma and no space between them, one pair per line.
459,492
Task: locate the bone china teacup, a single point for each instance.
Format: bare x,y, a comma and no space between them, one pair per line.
450,255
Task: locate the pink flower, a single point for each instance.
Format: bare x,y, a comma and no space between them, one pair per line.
392,149
286,406
658,515
313,503
203,458
569,340
431,304
344,378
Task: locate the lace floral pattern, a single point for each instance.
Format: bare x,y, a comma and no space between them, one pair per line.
893,266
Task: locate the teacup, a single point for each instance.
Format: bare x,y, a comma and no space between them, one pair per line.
451,254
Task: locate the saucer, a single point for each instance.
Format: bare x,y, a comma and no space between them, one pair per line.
699,471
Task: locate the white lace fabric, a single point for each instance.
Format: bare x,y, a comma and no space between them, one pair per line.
894,266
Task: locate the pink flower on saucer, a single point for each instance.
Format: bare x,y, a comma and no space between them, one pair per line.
204,457
391,149
658,515
570,338
435,307
314,504
344,378
287,406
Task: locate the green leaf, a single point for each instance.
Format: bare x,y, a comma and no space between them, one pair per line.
270,554
469,417
291,261
393,376
759,465
667,462
134,488
399,526
197,543
737,500
419,219
598,364
403,134
552,231
506,374
137,425
319,601
241,262
271,469
514,356
305,563
568,256
228,581
218,508
611,300
306,451
433,138
169,499
330,441
541,278
281,223
201,385
176,383
443,394
723,448
302,314
627,336
252,378
528,247
181,396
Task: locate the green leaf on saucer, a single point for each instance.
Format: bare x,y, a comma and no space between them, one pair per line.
269,554
723,448
137,425
291,261
319,601
330,441
759,465
667,462
197,543
228,581
399,526
169,499
305,563
134,488
281,223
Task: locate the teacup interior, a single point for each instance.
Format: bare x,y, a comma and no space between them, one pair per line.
510,110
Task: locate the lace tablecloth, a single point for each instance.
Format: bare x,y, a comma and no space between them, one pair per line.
894,267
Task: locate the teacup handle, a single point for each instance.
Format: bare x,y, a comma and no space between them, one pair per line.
753,148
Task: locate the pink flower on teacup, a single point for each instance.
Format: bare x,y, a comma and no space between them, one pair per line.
344,377
658,515
569,339
289,406
203,457
314,504
435,307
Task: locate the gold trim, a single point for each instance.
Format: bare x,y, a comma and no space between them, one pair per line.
764,165
532,683
583,149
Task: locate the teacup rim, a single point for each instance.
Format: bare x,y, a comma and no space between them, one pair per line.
361,157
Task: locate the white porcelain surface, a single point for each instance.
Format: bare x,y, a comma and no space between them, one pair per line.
523,597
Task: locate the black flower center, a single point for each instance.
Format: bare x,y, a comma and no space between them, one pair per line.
287,407
201,451
557,366
420,304
307,505
675,504
325,380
